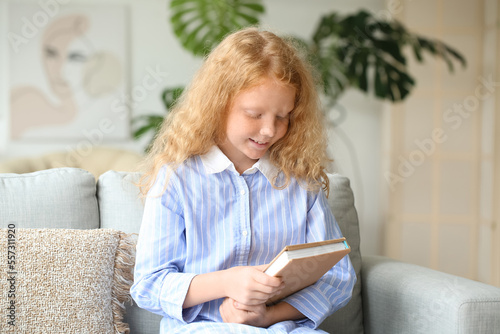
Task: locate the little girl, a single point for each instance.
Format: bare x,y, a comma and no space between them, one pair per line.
236,173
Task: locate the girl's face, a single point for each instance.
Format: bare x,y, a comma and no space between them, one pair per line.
257,118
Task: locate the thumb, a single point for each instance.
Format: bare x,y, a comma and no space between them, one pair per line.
261,267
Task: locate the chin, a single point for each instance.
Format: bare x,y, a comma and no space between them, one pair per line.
255,154
256,157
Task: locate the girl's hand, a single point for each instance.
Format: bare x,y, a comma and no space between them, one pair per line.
232,312
250,286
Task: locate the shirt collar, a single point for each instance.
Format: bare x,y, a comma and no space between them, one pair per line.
215,161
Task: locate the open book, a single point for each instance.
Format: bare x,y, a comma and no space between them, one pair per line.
302,265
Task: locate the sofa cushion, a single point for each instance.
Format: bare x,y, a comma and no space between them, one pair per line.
53,198
348,319
121,208
66,280
120,204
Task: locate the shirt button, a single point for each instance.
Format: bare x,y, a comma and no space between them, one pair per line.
245,233
242,192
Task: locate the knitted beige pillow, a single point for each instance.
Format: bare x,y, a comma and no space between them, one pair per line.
64,280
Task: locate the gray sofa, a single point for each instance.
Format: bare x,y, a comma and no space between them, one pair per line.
389,297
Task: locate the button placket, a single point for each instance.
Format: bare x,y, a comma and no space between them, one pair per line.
244,226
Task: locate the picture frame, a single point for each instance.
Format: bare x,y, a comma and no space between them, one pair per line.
68,71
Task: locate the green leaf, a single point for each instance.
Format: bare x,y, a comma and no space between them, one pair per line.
380,83
346,48
250,20
153,123
142,130
456,55
213,20
417,51
170,96
363,78
392,49
178,15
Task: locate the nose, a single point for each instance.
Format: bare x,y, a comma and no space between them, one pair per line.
268,129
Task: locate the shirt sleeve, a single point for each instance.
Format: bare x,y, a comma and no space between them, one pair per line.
160,286
334,290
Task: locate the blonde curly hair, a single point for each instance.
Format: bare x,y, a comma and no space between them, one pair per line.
198,119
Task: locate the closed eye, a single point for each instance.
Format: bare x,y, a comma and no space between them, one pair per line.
253,114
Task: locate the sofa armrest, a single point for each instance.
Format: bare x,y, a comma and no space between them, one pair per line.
404,298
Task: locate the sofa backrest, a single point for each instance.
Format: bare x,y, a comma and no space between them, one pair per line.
121,208
53,198
70,198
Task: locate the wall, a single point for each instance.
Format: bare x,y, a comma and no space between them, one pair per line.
440,147
355,143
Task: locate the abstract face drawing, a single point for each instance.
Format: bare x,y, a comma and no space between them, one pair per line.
76,73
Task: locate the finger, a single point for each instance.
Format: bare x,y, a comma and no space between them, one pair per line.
261,267
257,298
267,280
260,293
222,312
276,293
267,289
248,308
227,311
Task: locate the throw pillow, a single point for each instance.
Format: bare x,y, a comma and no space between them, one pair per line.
65,280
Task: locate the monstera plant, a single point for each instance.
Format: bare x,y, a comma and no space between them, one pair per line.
356,50
201,25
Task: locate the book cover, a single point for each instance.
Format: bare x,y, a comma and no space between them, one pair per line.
302,265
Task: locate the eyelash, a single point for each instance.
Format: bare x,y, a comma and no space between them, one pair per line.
278,117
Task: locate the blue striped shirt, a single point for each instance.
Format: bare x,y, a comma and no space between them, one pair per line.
212,218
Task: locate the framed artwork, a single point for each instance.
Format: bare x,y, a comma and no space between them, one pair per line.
68,70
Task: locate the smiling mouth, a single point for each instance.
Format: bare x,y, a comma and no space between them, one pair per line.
259,142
